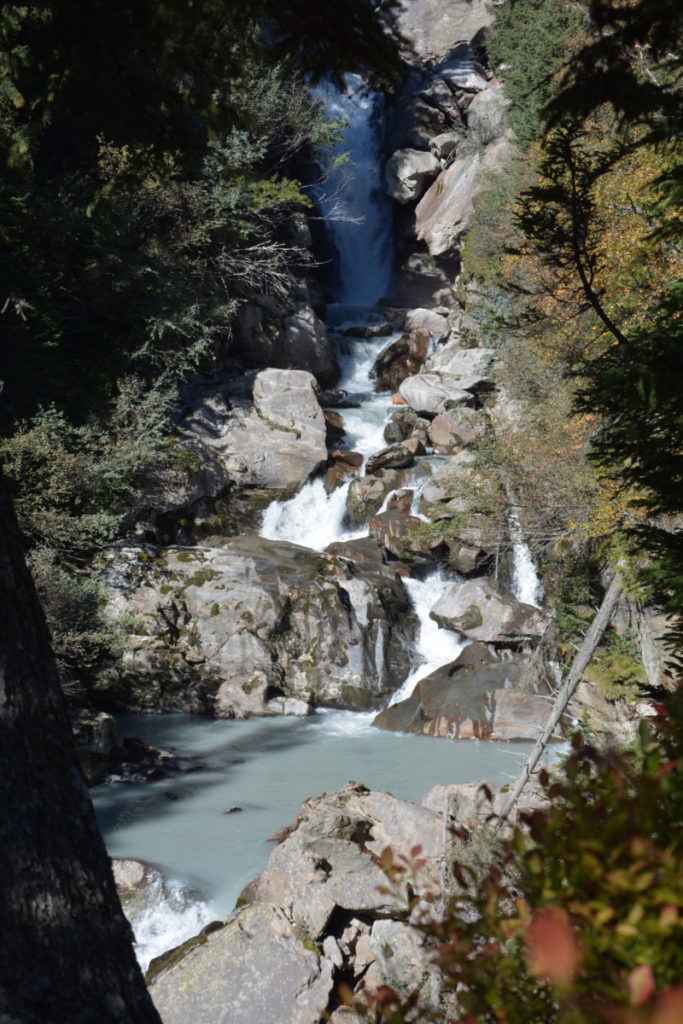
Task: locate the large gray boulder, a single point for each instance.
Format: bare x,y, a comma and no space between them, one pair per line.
433,26
432,393
482,610
478,696
267,432
472,367
255,968
408,173
487,115
444,212
254,626
328,861
426,319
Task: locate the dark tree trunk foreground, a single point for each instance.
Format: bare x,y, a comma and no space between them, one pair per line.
66,954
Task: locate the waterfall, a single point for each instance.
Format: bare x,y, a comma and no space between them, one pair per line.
526,585
435,646
358,214
353,201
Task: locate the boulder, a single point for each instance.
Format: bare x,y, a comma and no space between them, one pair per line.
403,358
444,146
396,456
402,962
401,424
432,393
408,173
432,26
427,320
367,493
482,610
220,974
263,431
472,367
328,861
238,629
487,115
478,696
456,429
444,211
438,94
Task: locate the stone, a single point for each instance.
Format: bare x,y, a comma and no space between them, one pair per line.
313,874
402,962
482,610
456,429
444,146
408,173
366,493
352,459
403,358
487,115
432,393
396,531
401,424
254,627
473,367
427,320
478,696
438,94
434,25
266,432
396,456
443,213
268,335
220,976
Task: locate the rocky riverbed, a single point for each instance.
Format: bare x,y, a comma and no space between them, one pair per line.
328,473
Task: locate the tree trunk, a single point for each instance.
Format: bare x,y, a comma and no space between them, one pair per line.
564,694
66,954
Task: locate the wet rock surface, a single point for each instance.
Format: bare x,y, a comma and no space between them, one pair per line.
255,627
318,914
478,696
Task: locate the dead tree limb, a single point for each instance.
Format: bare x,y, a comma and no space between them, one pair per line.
564,694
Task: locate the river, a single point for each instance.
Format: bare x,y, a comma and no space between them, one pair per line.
207,830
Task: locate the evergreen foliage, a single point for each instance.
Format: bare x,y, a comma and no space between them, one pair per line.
152,160
528,44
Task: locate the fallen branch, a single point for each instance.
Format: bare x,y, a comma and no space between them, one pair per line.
564,694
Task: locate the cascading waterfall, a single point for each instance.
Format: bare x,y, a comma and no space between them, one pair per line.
352,200
526,586
358,216
266,768
360,223
435,646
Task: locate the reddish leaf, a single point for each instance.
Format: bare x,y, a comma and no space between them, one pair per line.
641,984
553,950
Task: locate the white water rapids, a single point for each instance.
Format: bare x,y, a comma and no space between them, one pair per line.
207,830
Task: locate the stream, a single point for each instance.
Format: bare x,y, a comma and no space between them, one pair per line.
207,830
